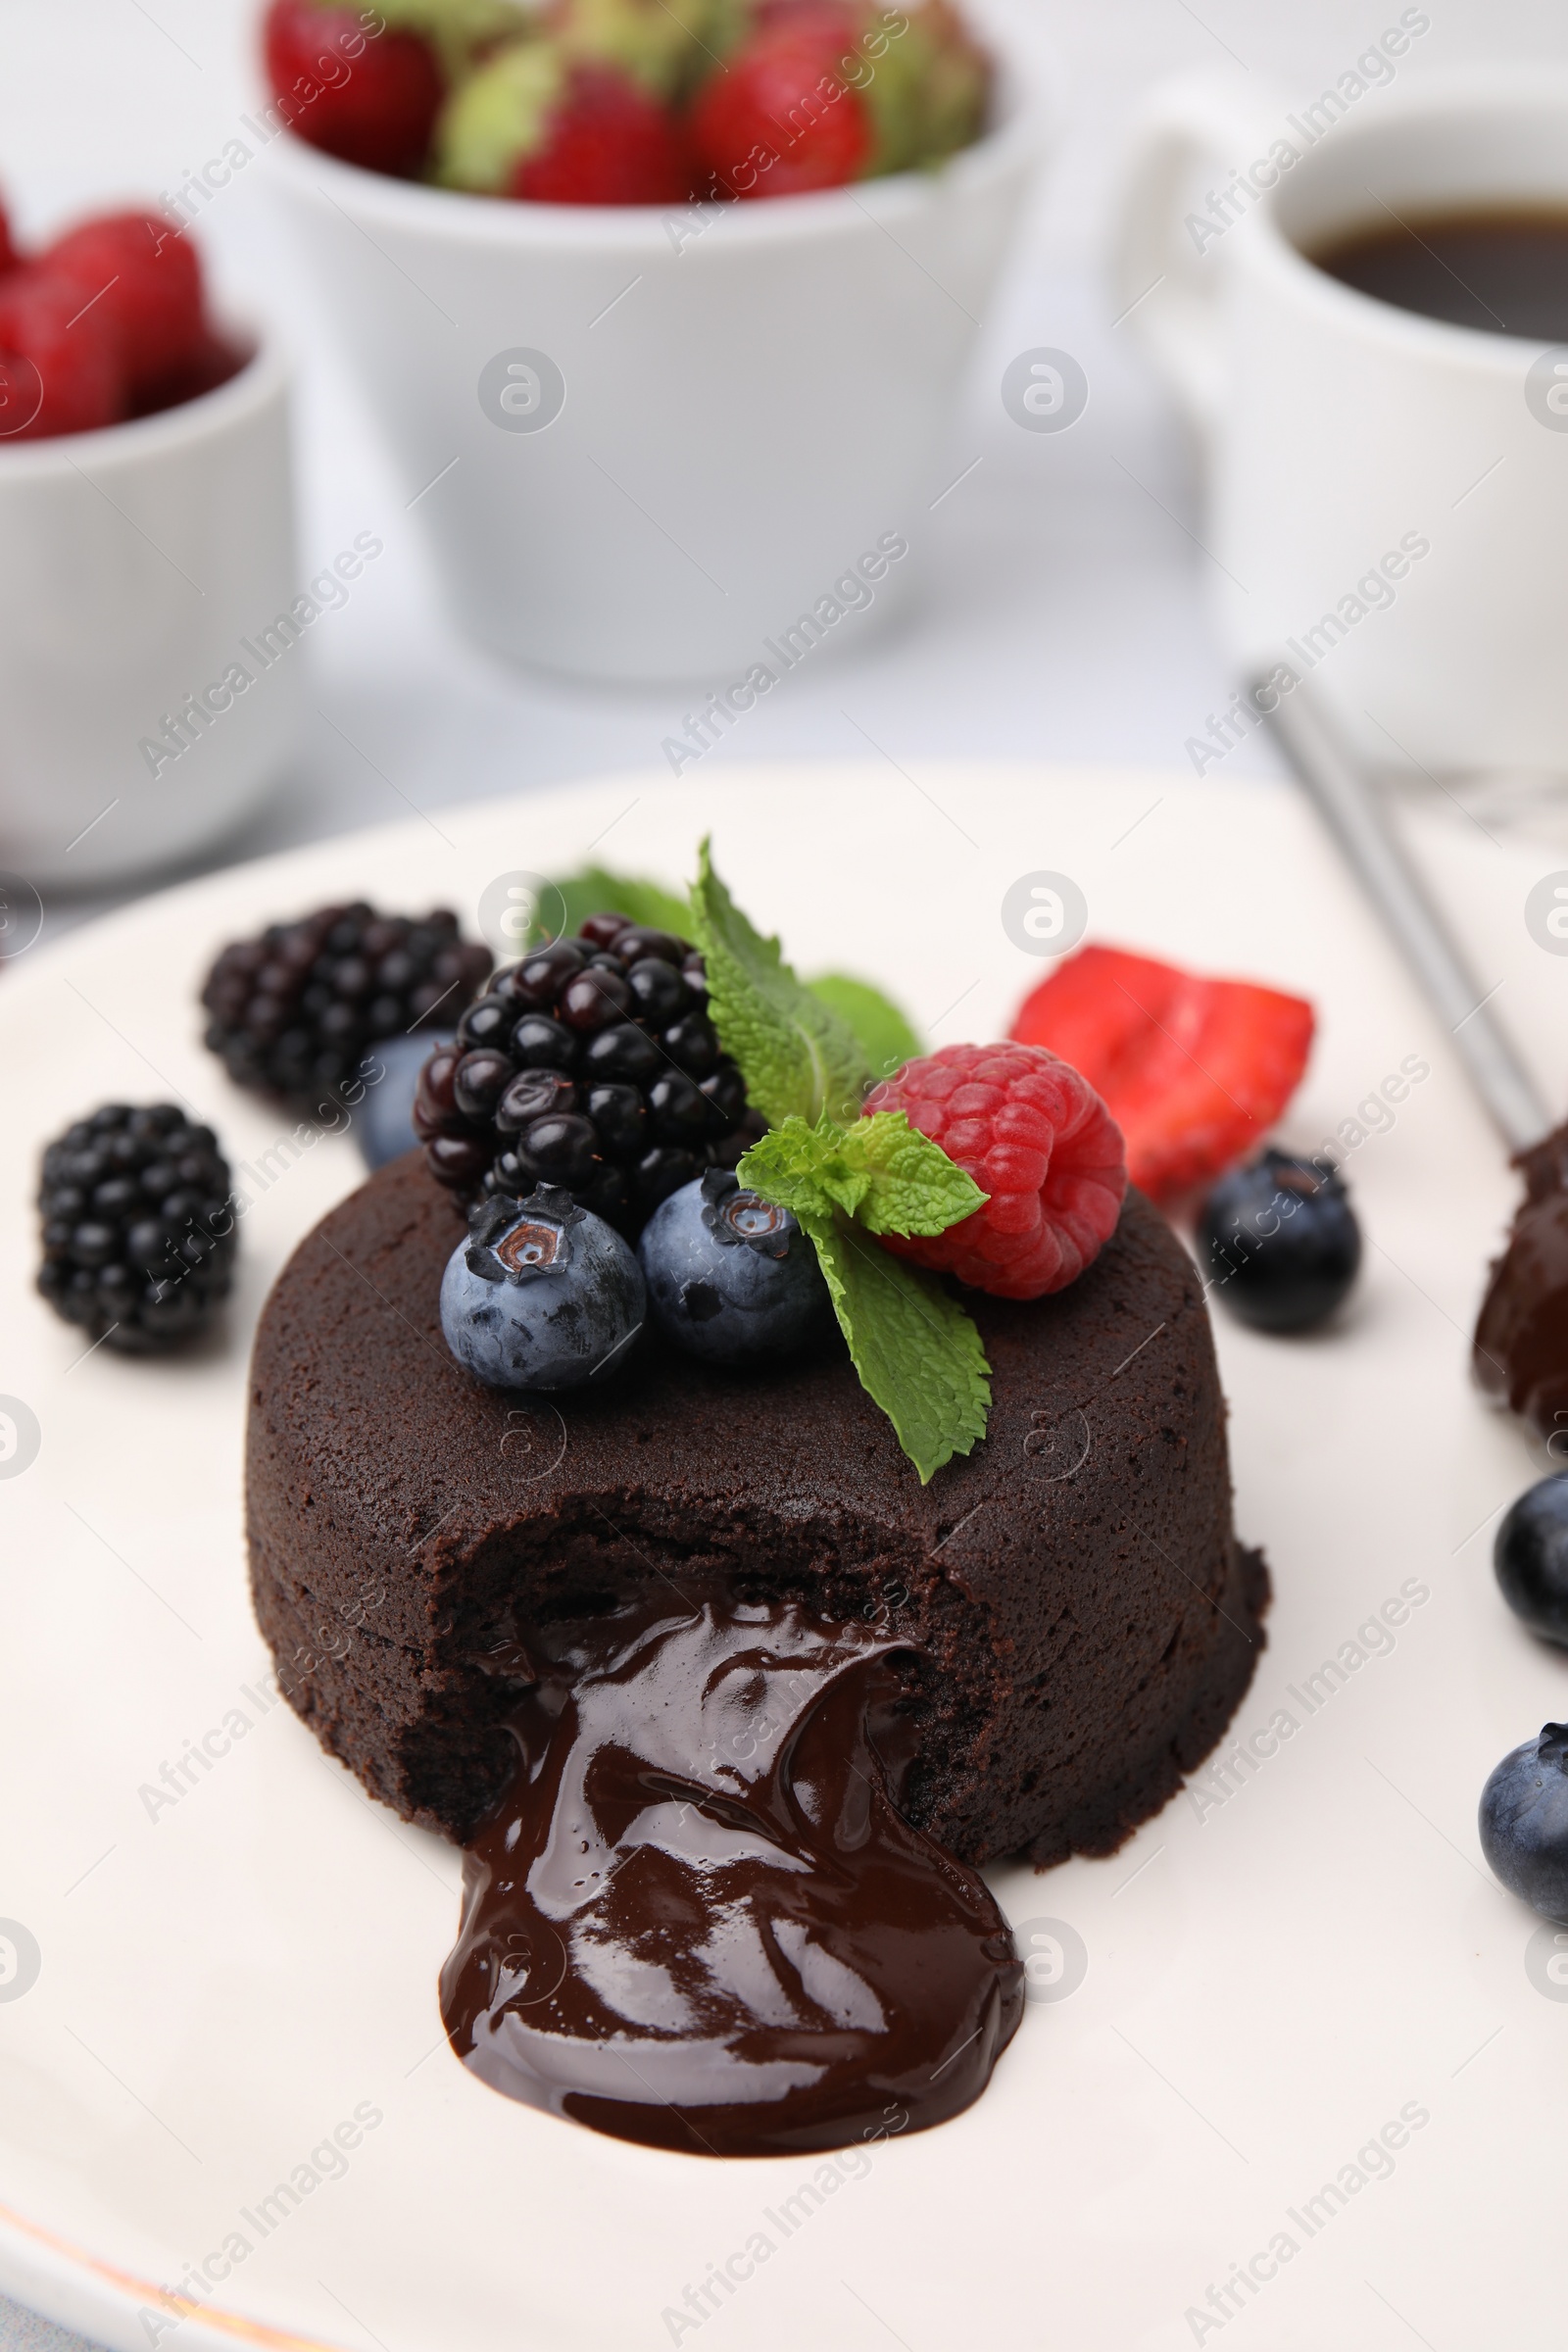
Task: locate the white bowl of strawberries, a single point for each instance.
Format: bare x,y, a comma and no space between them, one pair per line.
664,309
146,511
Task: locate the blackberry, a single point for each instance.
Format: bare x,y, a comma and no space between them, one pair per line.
294,1009
592,1065
139,1233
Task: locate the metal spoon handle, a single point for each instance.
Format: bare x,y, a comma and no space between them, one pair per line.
1345,802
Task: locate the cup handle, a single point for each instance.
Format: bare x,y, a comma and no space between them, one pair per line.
1171,280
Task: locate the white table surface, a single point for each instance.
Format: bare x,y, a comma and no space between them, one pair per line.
1066,617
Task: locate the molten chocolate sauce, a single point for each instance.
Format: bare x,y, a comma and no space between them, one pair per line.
697,1918
1521,1349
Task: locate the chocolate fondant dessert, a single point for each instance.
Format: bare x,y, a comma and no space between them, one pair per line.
815,1589
1521,1342
1075,1619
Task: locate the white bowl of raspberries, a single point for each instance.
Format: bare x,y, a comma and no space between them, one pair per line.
146,508
664,304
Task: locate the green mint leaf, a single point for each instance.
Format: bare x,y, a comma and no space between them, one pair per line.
881,1170
887,1037
802,1168
799,1058
912,1186
916,1351
597,891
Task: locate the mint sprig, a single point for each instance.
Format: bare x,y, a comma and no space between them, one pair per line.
916,1351
888,1037
881,1170
798,1056
885,1035
846,1179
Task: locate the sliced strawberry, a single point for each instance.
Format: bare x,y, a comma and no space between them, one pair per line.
604,141
370,101
139,277
779,118
1192,1070
60,366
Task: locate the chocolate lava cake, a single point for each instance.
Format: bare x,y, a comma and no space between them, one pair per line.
1081,1620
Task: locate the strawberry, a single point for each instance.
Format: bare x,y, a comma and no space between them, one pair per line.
664,46
59,364
1192,1070
141,279
370,99
824,91
212,362
929,91
782,117
606,142
531,123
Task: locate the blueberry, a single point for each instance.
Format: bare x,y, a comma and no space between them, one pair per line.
1524,1820
1281,1242
730,1278
542,1294
1530,1557
384,1120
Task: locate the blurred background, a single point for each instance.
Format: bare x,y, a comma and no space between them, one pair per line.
1065,615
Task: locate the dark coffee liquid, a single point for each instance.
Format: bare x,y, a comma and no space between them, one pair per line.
697,1918
1504,271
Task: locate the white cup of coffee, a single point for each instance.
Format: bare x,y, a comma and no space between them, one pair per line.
1387,468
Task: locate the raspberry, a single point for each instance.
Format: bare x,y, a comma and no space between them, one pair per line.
143,282
59,365
294,1011
371,101
1035,1137
593,1065
782,96
138,1232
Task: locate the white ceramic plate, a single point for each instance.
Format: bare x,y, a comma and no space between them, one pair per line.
1272,1977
